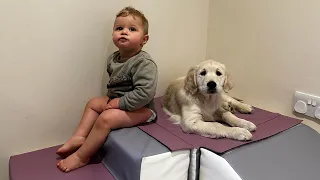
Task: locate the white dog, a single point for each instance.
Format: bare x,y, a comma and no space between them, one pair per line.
197,102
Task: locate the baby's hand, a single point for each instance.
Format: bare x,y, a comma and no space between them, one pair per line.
113,104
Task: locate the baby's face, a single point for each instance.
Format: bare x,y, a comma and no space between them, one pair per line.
128,33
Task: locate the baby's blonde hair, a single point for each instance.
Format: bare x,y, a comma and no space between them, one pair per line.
135,13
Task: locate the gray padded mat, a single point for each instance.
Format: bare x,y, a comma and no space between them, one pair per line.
124,149
291,155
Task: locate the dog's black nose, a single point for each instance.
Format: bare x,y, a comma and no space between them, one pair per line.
211,85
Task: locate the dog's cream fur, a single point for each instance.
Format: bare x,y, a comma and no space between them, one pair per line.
197,108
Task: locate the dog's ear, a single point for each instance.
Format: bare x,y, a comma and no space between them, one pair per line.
228,84
190,84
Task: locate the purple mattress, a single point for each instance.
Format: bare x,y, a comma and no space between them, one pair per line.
172,136
41,165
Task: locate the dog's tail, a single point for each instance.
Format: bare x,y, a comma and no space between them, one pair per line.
176,119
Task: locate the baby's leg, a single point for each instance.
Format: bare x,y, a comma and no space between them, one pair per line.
108,120
93,108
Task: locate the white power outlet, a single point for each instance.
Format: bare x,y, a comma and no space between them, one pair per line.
307,104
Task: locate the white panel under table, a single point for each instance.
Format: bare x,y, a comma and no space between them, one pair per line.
130,153
213,166
170,165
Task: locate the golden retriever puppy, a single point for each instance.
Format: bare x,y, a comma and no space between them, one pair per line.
199,101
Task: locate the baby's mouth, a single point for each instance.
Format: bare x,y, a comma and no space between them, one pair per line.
123,39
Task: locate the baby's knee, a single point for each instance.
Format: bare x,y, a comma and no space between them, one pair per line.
92,102
107,118
98,104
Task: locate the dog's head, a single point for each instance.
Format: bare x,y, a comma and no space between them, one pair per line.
208,77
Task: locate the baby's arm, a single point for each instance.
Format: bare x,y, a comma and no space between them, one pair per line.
145,78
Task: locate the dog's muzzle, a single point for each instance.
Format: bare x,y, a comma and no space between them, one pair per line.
211,87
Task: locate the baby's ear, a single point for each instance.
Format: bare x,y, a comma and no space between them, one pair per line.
145,39
228,84
190,84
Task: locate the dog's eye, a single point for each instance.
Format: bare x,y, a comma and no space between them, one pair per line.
218,73
203,73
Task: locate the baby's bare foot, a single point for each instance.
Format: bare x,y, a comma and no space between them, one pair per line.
71,163
71,146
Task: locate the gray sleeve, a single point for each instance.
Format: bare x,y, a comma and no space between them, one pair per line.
108,64
145,78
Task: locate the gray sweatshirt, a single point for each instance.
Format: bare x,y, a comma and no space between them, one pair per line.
134,81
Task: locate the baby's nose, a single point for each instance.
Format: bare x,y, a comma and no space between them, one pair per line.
124,31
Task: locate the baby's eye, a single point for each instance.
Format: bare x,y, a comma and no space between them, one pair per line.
119,28
132,29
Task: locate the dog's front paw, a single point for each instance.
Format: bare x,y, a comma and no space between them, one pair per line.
245,108
249,126
240,134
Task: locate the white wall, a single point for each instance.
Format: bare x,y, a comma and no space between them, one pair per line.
271,47
52,57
